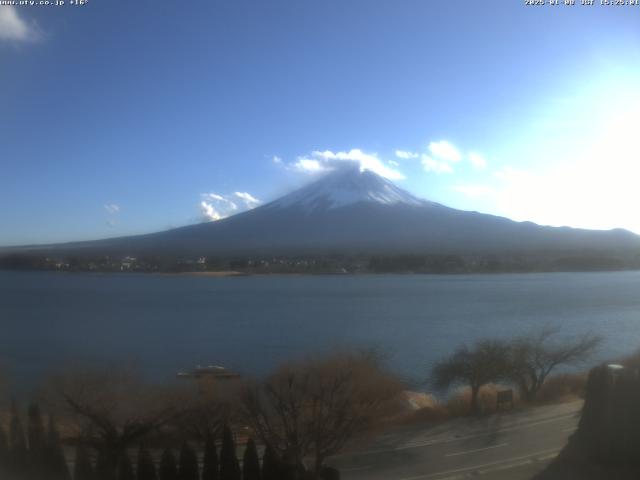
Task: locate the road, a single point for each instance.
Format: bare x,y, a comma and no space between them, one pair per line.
510,446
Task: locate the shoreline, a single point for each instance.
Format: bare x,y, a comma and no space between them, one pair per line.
235,273
224,273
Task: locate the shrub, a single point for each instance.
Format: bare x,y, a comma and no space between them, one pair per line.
562,388
458,404
427,415
421,408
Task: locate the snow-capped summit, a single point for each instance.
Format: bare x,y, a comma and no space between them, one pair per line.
347,186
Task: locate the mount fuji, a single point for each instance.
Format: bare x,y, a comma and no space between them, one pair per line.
354,211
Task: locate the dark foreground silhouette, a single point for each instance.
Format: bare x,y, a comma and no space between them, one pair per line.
607,442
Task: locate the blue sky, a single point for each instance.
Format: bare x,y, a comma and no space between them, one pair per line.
122,117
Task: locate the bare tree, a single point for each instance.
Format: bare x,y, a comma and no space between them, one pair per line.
534,357
208,409
113,410
486,362
204,416
314,408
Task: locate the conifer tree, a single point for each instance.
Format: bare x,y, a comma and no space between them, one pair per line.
250,462
271,469
168,469
83,470
125,469
210,468
17,461
37,442
55,463
4,453
229,466
35,430
105,466
146,467
188,464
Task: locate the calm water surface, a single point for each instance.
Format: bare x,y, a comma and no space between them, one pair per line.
163,324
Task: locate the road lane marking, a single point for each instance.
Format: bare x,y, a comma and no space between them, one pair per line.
476,450
530,456
520,463
429,443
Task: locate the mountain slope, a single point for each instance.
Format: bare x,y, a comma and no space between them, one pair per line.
354,211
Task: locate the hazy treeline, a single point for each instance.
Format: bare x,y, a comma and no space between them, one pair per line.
178,264
503,263
336,263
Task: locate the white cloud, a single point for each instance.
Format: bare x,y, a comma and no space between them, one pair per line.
13,27
213,196
440,157
436,166
322,161
247,197
444,150
276,159
308,165
214,206
393,163
406,155
209,212
112,208
477,160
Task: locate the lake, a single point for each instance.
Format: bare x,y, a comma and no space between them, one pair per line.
164,324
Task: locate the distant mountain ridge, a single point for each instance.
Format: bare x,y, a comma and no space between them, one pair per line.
353,211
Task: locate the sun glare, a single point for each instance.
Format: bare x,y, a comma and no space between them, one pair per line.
582,169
